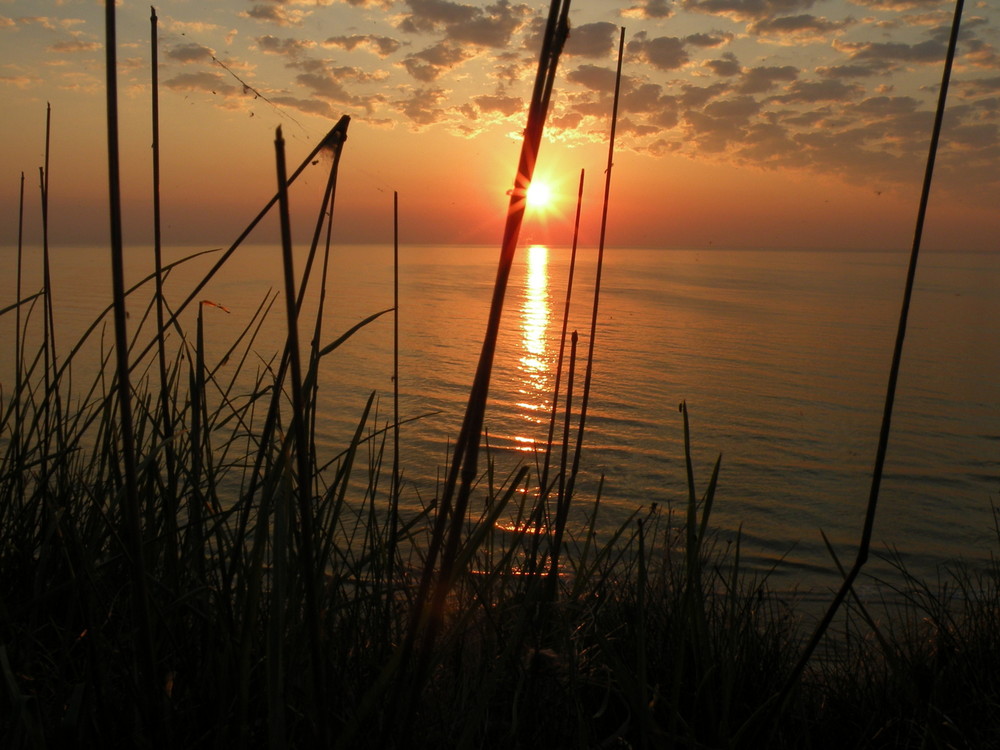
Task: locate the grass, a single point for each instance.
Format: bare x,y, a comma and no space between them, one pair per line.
234,586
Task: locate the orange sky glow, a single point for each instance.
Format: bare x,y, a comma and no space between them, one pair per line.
744,123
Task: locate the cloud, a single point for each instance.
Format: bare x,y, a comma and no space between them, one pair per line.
697,96
727,66
594,40
746,10
898,5
847,71
276,14
489,26
886,53
593,77
715,39
308,106
975,137
797,29
982,85
663,52
212,82
423,106
649,9
627,127
499,103
811,92
431,63
760,79
288,46
646,97
567,121
43,21
383,46
191,52
20,82
880,107
75,45
329,86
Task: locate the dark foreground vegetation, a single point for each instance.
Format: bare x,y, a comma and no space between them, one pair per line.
182,566
653,638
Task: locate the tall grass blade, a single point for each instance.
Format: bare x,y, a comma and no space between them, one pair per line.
166,413
303,477
394,491
585,399
897,354
147,679
543,484
465,459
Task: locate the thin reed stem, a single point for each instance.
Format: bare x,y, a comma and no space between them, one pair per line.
394,492
544,480
303,483
18,365
150,694
562,505
166,412
897,355
585,399
465,459
328,141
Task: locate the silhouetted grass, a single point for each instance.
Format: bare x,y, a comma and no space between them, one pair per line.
286,589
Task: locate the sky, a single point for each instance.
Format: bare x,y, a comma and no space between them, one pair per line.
742,124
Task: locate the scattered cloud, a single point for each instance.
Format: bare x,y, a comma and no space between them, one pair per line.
593,40
431,63
276,14
423,107
649,9
886,54
190,52
662,52
714,39
500,104
811,92
726,66
288,46
489,26
746,10
798,29
765,78
383,46
76,45
205,81
20,82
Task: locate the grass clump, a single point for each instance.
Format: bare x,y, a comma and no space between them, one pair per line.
182,566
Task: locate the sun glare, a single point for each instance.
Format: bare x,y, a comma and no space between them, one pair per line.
539,195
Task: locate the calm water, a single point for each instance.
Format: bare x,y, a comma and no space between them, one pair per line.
782,358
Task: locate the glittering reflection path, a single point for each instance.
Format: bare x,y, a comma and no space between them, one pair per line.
534,366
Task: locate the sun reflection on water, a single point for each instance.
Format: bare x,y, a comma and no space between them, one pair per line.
533,364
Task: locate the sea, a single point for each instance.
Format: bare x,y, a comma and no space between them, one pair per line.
781,357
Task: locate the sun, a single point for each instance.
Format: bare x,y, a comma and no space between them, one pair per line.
540,195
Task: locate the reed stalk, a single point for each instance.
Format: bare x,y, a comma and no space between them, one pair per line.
394,491
166,415
147,679
543,484
864,544
562,505
303,476
18,354
329,141
436,581
465,458
585,399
